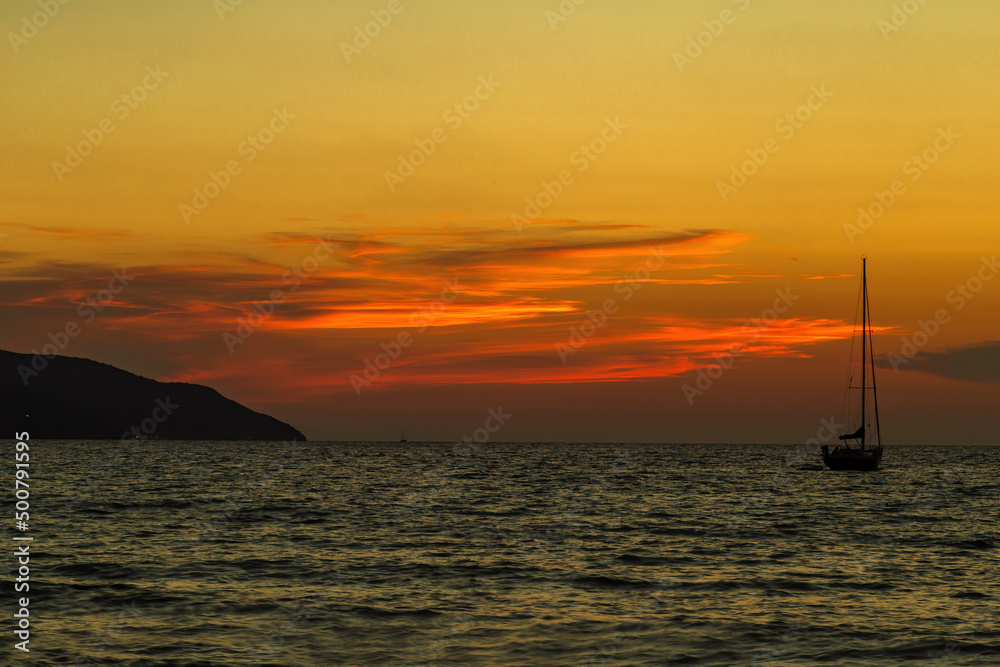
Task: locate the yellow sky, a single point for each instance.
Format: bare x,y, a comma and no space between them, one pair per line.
680,118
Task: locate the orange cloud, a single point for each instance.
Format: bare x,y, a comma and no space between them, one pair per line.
483,307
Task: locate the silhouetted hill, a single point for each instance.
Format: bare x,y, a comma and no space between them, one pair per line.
80,398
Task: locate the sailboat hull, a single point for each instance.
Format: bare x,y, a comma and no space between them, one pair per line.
853,459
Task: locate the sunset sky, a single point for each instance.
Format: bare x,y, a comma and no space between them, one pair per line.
484,179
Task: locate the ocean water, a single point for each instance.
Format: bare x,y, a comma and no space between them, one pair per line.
183,553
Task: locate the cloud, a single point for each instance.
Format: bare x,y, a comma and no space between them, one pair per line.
343,293
979,362
75,233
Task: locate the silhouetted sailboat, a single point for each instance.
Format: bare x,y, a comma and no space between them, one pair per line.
857,452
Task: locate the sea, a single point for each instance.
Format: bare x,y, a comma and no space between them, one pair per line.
366,553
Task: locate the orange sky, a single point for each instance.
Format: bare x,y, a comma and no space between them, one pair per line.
568,218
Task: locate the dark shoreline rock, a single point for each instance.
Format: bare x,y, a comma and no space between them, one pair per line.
75,398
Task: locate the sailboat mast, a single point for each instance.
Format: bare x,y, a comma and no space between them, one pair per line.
871,352
864,336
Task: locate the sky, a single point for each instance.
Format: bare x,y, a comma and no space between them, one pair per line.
617,222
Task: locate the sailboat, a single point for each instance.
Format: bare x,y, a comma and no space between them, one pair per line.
862,446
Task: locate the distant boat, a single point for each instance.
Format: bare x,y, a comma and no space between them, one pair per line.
402,436
857,452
